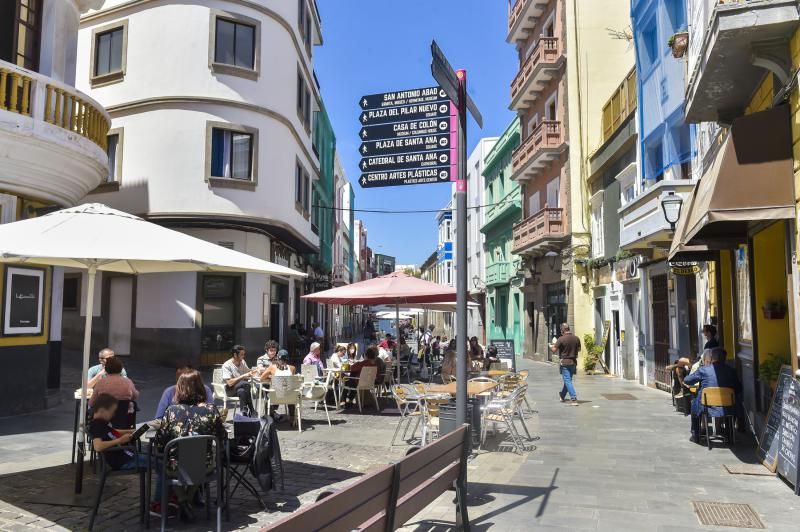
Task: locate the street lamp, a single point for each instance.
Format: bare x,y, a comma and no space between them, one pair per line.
672,205
551,259
476,280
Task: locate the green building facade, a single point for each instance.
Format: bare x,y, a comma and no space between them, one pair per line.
505,303
322,214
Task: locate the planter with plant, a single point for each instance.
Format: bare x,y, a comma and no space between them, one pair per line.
770,368
679,42
593,353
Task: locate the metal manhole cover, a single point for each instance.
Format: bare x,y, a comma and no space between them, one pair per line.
727,514
619,397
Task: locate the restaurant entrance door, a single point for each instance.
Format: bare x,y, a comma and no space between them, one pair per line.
660,313
221,317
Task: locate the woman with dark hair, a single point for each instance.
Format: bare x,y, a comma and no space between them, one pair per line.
119,387
191,415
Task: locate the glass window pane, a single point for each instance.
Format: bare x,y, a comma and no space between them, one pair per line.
115,56
298,184
103,48
113,143
241,155
245,43
223,52
220,153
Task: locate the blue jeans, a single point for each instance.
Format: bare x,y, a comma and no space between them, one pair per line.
136,462
566,373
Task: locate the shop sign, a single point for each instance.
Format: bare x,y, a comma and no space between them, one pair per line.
281,254
24,293
684,268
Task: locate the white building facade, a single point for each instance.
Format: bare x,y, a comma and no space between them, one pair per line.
212,106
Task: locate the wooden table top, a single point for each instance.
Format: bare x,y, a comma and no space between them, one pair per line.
473,388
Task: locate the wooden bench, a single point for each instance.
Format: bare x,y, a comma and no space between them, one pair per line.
387,498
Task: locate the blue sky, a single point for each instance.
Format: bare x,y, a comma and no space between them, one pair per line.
373,46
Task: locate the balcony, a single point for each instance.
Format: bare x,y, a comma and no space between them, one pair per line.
522,18
53,138
642,223
540,232
536,72
742,41
544,145
341,276
509,206
498,273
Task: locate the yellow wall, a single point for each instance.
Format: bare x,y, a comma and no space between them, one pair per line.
769,256
726,295
39,339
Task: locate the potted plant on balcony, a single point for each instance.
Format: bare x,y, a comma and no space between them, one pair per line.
679,42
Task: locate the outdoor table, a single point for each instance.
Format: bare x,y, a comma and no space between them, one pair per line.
490,373
473,388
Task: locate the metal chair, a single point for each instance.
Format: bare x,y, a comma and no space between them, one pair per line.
502,410
310,373
218,387
285,390
106,471
723,398
409,409
184,463
366,383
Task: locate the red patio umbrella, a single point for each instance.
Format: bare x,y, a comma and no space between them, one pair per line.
395,288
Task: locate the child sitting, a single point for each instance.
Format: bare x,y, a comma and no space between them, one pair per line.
104,436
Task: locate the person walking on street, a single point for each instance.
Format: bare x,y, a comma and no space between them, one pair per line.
567,346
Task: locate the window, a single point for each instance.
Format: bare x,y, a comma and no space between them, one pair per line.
235,44
72,292
654,170
553,194
550,112
21,26
648,51
303,101
302,189
534,204
676,13
109,50
114,160
231,155
304,23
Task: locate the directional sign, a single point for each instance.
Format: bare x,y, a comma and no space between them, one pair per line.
446,76
406,177
405,161
419,111
405,145
405,129
397,98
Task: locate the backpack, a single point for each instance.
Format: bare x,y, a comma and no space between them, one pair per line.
266,465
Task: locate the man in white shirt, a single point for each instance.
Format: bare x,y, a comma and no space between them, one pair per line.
319,334
236,375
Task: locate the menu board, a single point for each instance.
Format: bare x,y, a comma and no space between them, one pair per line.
23,301
789,450
779,445
505,352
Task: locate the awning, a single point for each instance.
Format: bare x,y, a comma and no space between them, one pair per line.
680,251
750,181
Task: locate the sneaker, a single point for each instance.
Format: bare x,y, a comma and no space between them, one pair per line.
574,402
561,398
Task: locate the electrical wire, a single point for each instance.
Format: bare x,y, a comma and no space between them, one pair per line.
415,211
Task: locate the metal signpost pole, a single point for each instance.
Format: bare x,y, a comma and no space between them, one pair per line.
461,253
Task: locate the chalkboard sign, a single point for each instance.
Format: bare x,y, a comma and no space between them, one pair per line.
23,305
789,450
769,444
505,352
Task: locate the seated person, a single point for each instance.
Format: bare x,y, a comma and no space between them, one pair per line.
449,366
338,357
491,357
269,357
190,415
235,375
352,352
405,351
168,396
710,334
104,436
679,370
281,367
98,371
114,384
475,351
370,359
313,357
387,342
713,373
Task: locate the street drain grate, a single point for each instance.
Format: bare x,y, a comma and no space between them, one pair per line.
727,514
619,397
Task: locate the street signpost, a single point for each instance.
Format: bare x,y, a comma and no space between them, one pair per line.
419,136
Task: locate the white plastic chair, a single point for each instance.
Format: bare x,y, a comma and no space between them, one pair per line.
310,373
366,383
315,393
285,390
218,387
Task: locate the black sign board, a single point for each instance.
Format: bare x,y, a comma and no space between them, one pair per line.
405,145
430,126
419,176
23,309
769,442
405,161
398,98
505,352
418,111
789,448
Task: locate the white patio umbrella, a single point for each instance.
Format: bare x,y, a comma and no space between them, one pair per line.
96,238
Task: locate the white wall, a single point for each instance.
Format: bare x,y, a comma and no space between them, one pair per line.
166,300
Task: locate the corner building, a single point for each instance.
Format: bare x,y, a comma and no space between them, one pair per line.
213,107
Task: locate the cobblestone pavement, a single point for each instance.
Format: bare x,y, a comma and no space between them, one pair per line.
606,465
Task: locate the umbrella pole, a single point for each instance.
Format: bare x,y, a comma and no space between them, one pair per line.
87,340
397,332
